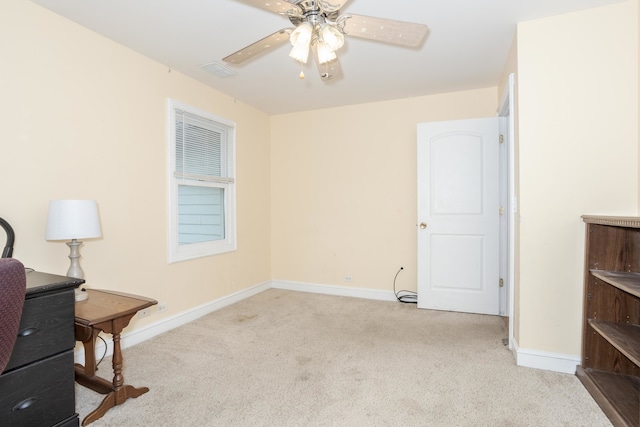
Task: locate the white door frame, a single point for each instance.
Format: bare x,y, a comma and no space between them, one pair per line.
507,166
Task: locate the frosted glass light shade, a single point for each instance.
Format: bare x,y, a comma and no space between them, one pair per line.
325,54
332,37
73,219
302,34
300,53
300,38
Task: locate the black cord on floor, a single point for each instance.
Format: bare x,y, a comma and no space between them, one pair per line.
408,297
103,354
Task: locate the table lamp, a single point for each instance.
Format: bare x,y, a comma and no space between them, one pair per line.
73,220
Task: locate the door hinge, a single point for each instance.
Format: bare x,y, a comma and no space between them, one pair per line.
501,139
501,210
501,282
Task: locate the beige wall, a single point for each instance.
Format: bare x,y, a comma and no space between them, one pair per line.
510,66
578,154
344,188
84,117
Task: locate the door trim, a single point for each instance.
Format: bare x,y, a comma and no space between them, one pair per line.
506,110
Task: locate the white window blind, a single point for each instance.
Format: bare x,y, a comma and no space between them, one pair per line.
203,151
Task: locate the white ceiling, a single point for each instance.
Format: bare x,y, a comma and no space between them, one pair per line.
466,48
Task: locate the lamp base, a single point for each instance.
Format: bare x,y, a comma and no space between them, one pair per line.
74,256
74,269
81,295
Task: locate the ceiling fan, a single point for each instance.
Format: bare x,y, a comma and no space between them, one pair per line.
320,27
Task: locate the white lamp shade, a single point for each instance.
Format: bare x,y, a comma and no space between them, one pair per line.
73,219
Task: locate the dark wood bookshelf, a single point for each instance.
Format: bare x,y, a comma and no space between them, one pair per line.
610,366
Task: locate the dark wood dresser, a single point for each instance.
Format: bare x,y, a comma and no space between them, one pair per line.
37,386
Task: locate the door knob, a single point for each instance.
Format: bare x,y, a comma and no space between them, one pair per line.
423,225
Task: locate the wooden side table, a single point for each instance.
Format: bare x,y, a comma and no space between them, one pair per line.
110,312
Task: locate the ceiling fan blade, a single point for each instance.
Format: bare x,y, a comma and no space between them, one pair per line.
330,6
259,47
272,6
329,71
386,30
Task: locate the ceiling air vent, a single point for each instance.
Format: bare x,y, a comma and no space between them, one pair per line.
218,70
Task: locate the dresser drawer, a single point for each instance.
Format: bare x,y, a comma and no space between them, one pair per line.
69,422
46,328
41,394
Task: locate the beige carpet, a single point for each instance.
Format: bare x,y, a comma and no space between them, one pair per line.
285,358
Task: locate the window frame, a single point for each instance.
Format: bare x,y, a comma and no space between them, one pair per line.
179,252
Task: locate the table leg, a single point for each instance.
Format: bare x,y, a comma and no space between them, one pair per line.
119,392
86,375
88,337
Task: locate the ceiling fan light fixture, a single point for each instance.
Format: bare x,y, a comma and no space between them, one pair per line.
300,53
332,37
325,53
301,40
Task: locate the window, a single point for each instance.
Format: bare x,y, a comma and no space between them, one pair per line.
201,183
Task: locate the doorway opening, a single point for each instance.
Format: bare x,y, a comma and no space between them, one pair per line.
465,248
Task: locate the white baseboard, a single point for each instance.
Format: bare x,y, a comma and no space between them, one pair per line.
524,357
557,362
146,332
334,290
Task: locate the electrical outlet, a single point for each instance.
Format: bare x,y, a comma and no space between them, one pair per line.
162,307
144,312
348,278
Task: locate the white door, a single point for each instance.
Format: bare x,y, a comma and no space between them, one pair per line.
458,216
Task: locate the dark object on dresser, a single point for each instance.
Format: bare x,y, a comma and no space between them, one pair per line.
37,386
610,367
13,284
